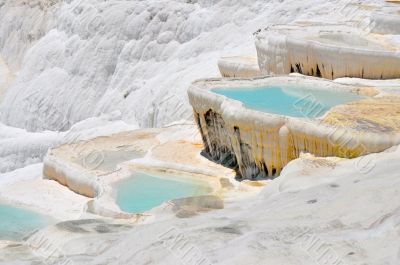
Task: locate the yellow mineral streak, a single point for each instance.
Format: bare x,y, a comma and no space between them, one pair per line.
375,114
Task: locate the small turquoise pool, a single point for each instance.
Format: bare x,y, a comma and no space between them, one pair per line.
289,101
16,223
143,192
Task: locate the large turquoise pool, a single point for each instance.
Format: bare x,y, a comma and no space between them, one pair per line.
143,192
16,223
289,101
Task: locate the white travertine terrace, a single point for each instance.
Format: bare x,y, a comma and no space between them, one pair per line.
76,179
261,144
386,20
386,23
239,66
63,164
163,155
327,51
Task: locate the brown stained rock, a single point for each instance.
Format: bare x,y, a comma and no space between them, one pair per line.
189,207
370,115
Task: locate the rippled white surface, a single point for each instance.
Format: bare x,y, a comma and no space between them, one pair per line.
77,59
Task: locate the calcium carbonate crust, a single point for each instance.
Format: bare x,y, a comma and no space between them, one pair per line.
261,144
328,51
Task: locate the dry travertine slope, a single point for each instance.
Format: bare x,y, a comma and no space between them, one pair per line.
320,210
77,59
309,203
311,213
67,61
19,148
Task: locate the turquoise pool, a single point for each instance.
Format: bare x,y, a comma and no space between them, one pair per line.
142,192
16,223
289,101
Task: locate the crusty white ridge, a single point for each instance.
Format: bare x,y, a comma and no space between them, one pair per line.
77,59
261,144
239,66
327,51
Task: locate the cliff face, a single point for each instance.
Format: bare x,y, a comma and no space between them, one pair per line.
261,144
329,52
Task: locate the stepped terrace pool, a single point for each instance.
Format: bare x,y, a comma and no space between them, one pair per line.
142,191
289,101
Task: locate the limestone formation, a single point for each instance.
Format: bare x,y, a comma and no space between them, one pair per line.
239,66
386,19
327,51
261,144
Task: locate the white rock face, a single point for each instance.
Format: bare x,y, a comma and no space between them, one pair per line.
65,61
67,65
239,66
310,213
328,51
387,20
77,59
386,24
6,78
19,148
